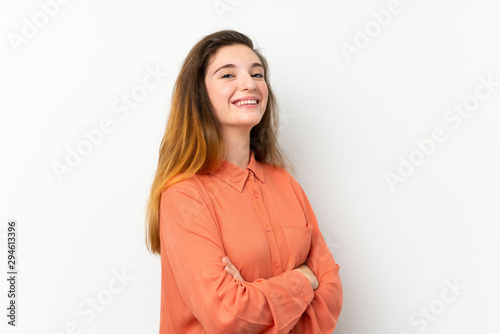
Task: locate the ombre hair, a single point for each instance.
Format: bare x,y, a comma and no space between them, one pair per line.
193,141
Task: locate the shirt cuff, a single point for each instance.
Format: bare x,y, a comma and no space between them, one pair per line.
300,285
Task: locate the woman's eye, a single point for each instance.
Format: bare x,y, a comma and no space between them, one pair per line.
226,76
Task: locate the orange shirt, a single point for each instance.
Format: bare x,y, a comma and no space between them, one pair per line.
262,220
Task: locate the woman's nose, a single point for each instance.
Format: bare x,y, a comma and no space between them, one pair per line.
247,82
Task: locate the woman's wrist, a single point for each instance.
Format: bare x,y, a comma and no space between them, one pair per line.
307,272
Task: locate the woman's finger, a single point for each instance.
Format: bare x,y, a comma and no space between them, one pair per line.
228,263
231,269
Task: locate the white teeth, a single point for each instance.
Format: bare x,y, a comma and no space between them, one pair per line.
240,103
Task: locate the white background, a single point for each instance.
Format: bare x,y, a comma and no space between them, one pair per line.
346,122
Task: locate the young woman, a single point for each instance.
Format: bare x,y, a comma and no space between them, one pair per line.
241,250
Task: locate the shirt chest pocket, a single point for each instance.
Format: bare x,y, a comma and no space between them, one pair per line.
299,242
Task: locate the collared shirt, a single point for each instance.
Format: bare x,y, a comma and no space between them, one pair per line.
262,220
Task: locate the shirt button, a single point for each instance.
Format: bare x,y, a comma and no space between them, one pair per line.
256,195
276,265
268,229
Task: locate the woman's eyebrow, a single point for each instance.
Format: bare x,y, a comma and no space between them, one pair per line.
233,66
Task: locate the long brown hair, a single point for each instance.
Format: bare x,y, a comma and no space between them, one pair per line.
193,141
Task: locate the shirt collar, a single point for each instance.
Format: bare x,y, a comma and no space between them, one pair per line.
235,176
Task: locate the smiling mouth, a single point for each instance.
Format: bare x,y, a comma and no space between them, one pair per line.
246,102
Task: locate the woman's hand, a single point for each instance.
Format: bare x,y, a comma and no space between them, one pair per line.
231,269
309,274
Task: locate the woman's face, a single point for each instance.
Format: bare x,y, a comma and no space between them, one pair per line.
236,87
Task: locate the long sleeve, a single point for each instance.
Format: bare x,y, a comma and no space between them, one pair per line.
323,312
191,242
